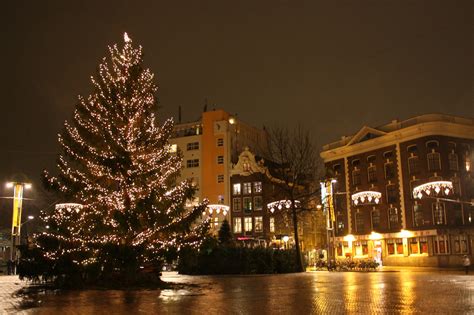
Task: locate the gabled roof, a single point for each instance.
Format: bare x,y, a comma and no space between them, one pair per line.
247,164
365,133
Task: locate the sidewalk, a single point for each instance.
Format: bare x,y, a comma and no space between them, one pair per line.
9,303
408,269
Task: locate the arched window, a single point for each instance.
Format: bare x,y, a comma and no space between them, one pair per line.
392,193
413,162
372,174
434,161
453,161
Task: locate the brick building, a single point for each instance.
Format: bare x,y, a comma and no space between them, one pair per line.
252,189
375,211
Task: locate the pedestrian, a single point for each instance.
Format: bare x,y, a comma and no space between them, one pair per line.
9,267
466,262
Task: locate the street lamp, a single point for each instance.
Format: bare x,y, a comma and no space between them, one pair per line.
18,188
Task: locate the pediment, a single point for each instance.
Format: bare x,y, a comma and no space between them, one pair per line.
364,134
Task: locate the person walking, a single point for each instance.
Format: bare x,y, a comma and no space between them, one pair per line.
466,262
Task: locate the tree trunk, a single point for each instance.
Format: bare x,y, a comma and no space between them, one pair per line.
299,262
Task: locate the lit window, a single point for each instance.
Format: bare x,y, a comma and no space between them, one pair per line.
192,163
220,159
258,224
468,164
192,146
272,225
247,204
216,221
257,202
220,178
237,225
220,142
247,188
248,224
236,204
236,190
257,187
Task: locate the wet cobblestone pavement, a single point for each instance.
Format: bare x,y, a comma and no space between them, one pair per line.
390,292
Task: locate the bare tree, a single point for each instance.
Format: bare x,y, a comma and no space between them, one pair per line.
295,172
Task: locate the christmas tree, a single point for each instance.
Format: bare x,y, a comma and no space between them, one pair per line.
224,235
117,164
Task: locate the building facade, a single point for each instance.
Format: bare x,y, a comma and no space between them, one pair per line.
209,146
253,189
375,212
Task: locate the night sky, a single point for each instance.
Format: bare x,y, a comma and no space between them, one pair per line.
332,66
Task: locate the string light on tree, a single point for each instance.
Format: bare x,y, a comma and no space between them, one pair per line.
117,167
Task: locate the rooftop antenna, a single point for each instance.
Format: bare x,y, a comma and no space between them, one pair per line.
205,105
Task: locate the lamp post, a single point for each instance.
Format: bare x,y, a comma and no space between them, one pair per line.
18,188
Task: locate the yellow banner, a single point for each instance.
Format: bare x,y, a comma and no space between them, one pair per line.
17,203
330,200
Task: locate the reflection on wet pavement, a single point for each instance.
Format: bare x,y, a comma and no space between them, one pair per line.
319,292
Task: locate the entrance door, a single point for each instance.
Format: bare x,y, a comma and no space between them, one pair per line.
378,252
